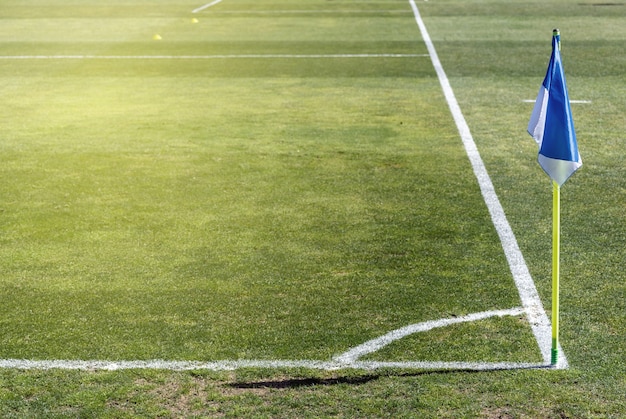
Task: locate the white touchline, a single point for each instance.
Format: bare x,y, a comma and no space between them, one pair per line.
375,344
202,57
537,317
206,6
305,12
228,365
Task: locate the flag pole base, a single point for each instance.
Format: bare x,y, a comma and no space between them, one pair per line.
555,357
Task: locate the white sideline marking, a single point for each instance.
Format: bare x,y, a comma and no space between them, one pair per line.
376,344
226,365
201,57
305,12
533,308
206,6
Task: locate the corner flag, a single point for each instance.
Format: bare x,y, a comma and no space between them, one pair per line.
551,123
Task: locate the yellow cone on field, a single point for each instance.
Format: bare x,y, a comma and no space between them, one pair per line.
194,20
156,37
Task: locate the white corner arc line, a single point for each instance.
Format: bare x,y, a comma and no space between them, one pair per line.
374,345
531,302
206,6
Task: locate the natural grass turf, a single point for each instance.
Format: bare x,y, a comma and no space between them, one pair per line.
233,208
303,393
289,209
154,228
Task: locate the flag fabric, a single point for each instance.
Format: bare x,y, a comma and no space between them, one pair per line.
551,123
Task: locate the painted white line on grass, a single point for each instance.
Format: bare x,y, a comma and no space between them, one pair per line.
226,365
202,57
537,317
375,344
347,360
306,12
206,6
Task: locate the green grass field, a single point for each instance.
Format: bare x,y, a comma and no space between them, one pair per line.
283,180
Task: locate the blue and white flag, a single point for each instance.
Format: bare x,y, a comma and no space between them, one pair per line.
551,123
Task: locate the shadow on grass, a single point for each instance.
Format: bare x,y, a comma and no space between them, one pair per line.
287,383
304,382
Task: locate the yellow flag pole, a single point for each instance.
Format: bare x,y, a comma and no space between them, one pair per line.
556,245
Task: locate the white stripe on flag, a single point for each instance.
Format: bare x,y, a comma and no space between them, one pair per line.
537,122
